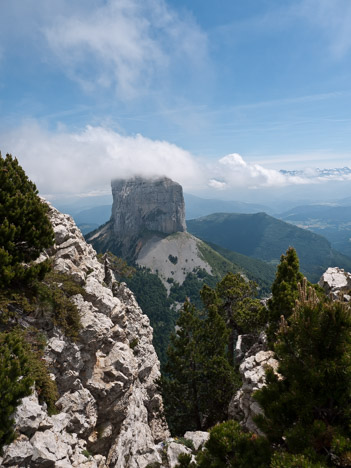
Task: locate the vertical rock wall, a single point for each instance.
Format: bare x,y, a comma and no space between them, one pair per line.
110,412
146,204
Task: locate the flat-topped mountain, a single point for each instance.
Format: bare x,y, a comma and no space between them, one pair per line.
141,206
152,204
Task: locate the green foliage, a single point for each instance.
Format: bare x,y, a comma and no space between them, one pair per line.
52,300
48,299
45,387
152,298
307,408
256,270
86,453
173,259
285,286
196,363
15,381
184,461
220,264
190,289
264,237
186,442
25,229
118,265
288,460
228,446
233,298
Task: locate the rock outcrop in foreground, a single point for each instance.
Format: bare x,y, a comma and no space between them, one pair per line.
337,283
109,407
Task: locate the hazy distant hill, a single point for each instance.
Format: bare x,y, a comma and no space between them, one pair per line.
262,236
90,219
196,206
332,222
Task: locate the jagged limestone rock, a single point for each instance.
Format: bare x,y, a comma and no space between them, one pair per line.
336,282
109,403
253,367
198,438
173,451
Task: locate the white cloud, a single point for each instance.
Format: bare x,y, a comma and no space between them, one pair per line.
217,184
124,44
235,172
65,162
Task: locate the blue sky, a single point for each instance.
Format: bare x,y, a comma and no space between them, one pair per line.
94,89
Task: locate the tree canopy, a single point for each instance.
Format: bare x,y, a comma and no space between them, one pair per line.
197,362
25,229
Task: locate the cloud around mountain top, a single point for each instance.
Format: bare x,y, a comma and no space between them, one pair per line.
85,161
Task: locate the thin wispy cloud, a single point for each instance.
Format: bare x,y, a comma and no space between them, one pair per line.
333,18
125,45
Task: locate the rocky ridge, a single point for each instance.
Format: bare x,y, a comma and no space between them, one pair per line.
109,407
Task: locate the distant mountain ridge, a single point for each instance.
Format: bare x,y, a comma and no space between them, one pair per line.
195,207
325,173
266,238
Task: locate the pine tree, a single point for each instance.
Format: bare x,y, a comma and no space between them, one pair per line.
230,447
307,407
284,289
15,381
199,381
233,298
25,229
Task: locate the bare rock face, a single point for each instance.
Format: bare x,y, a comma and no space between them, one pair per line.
336,282
253,368
110,411
146,204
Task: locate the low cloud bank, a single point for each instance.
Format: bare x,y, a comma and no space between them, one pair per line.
86,161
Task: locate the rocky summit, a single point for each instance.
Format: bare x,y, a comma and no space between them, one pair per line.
152,204
140,206
109,408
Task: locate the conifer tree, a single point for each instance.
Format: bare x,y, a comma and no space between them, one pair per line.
284,289
15,381
233,298
199,381
307,407
25,229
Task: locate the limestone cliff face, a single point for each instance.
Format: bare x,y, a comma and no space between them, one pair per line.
109,405
141,205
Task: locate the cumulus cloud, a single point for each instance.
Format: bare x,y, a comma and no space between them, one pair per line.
124,44
62,162
233,172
